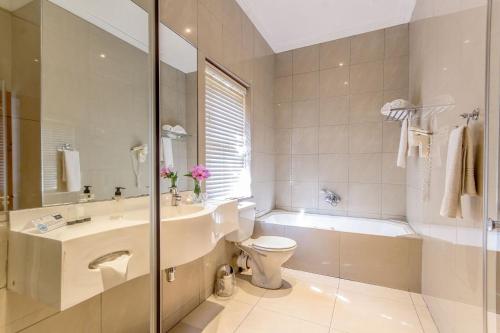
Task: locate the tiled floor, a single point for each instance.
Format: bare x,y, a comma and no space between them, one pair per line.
310,303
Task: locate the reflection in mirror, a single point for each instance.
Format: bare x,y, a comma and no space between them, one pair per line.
179,106
95,102
20,164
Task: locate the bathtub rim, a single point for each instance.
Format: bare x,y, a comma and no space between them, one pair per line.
412,234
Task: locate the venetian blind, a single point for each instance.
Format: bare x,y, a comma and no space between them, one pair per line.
227,152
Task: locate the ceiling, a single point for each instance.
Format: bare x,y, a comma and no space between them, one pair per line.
291,24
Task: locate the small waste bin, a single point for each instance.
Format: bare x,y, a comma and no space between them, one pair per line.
226,281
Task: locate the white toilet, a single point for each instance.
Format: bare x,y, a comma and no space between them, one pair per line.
264,255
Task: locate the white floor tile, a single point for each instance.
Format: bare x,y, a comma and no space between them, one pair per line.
308,298
375,291
264,321
426,319
246,292
311,303
417,299
233,314
360,313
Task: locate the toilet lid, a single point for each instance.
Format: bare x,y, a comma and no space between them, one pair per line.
275,243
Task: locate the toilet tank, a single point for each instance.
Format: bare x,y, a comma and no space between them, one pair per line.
246,222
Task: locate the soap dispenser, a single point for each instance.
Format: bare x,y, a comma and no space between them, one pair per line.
87,195
119,203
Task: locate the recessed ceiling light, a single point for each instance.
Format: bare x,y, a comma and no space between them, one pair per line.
188,30
341,64
102,55
36,60
346,83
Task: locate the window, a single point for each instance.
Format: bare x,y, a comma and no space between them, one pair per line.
227,147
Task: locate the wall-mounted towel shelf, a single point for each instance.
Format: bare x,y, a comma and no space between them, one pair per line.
400,114
65,146
174,135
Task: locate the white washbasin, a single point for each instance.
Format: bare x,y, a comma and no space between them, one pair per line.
55,266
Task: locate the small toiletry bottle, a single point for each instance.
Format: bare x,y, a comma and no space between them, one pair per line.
119,203
86,196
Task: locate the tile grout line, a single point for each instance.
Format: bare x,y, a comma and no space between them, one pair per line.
416,312
334,305
249,312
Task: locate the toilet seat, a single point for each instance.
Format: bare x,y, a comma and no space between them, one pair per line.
273,243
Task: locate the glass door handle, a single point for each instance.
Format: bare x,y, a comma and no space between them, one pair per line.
492,224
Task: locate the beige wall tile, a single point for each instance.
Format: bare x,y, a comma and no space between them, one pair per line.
365,107
306,59
397,41
348,94
283,89
304,194
283,115
367,77
391,174
333,167
365,168
334,139
375,259
391,134
283,64
324,249
305,86
393,200
283,194
365,138
304,168
367,47
364,199
283,168
305,113
334,110
334,82
336,53
396,73
305,140
209,34
283,141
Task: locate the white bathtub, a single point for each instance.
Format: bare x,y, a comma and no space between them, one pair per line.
365,226
381,252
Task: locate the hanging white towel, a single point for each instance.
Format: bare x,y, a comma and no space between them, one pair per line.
71,175
403,144
167,153
459,172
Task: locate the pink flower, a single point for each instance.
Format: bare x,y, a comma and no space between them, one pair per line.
200,173
165,172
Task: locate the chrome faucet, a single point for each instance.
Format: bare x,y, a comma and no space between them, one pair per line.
331,197
176,197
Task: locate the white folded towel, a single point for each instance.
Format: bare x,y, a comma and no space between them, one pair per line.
178,129
166,127
396,104
71,175
167,153
459,172
403,144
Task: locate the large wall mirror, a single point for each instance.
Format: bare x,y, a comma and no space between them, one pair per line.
76,85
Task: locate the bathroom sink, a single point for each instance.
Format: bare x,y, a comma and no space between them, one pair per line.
57,269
